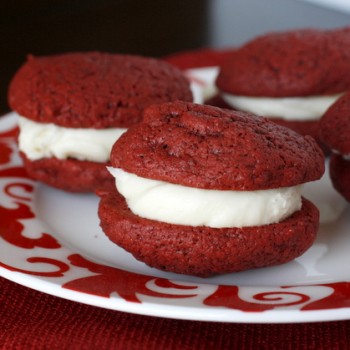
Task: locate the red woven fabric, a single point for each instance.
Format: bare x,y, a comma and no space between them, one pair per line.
32,320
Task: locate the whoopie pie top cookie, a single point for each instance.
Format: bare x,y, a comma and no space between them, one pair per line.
294,63
93,89
335,126
211,148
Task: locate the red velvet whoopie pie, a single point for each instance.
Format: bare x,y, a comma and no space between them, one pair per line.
291,77
92,96
206,149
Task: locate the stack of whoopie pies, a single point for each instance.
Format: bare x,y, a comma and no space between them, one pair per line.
188,188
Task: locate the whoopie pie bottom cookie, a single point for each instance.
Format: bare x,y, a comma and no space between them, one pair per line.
205,251
339,169
70,174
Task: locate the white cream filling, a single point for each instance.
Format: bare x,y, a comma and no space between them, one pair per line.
203,79
176,204
40,140
290,108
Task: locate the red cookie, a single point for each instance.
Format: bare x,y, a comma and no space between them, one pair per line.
206,147
93,89
340,174
197,58
90,90
293,63
69,174
335,132
304,127
300,63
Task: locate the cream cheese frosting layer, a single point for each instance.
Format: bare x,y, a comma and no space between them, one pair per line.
290,108
40,140
181,205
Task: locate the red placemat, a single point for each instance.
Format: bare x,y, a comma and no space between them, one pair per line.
34,320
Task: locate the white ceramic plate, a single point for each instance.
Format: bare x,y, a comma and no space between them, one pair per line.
50,241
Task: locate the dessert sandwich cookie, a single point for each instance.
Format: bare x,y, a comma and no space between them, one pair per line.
72,107
291,77
335,133
201,190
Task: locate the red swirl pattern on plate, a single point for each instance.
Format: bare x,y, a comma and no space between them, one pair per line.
340,298
109,279
227,296
15,185
59,272
104,281
11,228
279,296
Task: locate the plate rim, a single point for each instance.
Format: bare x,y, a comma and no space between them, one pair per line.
275,316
